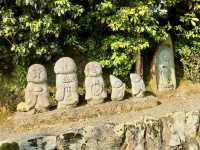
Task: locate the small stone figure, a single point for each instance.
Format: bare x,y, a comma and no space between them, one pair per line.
118,88
36,92
94,84
66,82
138,87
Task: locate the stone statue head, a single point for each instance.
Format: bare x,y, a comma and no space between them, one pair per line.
135,77
65,65
93,69
115,82
37,73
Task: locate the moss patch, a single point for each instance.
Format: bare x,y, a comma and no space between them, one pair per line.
9,146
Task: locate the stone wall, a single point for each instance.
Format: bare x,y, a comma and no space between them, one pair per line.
174,131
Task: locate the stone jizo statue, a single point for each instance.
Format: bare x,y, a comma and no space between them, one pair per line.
66,82
118,88
94,84
138,87
36,92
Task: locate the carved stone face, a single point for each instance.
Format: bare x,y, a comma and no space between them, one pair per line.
115,82
93,69
164,57
65,65
135,77
37,73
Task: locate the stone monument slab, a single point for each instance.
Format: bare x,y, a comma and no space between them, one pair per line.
163,76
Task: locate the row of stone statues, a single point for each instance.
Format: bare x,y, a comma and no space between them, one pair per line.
36,92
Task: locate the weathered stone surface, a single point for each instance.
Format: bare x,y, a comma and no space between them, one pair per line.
163,68
193,145
22,107
66,82
94,84
192,124
177,129
73,139
169,132
36,92
153,134
102,137
112,125
138,87
134,137
38,143
118,88
180,130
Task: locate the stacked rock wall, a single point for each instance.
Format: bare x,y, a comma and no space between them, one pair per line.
175,131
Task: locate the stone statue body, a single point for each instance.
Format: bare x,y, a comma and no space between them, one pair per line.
163,77
118,88
94,84
66,82
165,67
36,92
138,87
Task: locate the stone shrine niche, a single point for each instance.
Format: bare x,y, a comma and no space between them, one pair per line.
94,84
36,92
66,82
163,68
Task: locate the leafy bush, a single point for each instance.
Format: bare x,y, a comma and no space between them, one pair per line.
191,67
34,29
109,31
188,43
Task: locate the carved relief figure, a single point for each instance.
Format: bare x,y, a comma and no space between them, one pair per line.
118,88
94,84
66,82
165,67
138,87
163,76
36,92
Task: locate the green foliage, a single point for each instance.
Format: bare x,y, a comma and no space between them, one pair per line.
126,28
9,146
188,43
35,28
11,91
191,66
109,31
